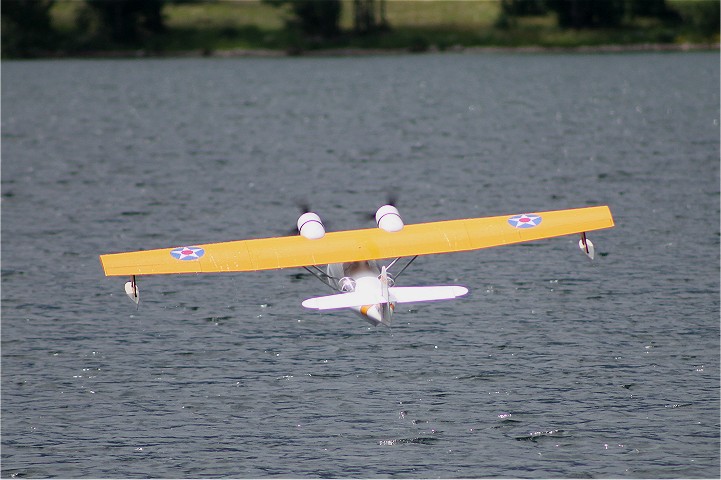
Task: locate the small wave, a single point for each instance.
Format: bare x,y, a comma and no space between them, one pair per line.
535,436
400,441
134,213
218,319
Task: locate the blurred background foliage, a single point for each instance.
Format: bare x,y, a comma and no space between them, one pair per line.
39,28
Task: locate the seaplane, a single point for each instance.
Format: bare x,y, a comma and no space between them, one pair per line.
354,263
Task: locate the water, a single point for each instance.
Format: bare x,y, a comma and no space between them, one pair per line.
553,366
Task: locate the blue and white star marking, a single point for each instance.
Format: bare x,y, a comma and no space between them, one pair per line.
187,253
527,220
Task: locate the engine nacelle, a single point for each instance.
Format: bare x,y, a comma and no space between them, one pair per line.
388,219
310,226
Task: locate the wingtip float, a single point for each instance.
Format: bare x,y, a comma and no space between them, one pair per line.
131,290
351,257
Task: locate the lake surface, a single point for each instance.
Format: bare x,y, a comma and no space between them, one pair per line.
552,366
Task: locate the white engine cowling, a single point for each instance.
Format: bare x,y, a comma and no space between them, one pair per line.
310,226
388,219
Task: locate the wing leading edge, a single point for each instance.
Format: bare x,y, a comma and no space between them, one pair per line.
356,245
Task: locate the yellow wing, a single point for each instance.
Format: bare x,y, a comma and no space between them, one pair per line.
355,245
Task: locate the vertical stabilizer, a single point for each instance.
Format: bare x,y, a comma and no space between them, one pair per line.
386,306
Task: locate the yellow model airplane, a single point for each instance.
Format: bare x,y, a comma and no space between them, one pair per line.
352,256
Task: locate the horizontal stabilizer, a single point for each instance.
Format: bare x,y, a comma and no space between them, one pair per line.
397,295
426,294
343,300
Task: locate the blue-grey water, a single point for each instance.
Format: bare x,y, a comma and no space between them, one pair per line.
553,366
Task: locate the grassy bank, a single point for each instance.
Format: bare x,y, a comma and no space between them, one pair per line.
415,26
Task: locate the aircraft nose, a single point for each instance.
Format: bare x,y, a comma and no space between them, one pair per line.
374,314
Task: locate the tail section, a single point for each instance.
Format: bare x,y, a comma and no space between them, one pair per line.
377,307
374,298
371,307
395,295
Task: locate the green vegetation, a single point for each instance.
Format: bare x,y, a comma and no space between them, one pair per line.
35,28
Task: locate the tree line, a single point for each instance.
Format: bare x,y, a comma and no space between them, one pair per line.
27,28
612,13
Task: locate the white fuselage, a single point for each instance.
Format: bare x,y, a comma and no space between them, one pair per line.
358,277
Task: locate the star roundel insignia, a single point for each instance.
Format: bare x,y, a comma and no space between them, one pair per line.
187,253
526,220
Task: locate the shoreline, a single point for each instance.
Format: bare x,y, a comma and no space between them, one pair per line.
361,52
